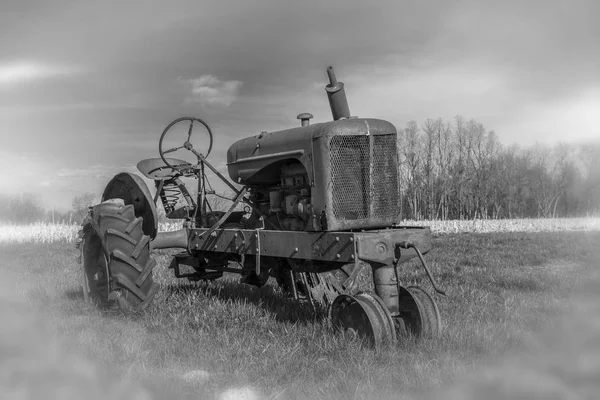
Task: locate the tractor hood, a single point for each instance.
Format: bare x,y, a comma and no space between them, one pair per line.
251,160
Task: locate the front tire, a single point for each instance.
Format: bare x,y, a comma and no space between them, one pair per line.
117,265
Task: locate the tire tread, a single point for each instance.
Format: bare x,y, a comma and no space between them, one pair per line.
127,252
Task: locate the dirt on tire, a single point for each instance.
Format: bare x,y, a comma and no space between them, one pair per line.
117,266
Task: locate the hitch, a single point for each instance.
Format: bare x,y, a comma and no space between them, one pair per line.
408,245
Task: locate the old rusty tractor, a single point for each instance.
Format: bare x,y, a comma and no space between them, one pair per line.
311,206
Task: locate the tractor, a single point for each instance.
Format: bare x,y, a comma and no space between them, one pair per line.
311,206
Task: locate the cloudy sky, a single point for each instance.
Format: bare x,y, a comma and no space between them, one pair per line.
86,88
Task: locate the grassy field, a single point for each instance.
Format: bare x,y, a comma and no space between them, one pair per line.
224,340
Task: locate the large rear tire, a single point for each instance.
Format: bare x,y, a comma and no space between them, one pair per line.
117,266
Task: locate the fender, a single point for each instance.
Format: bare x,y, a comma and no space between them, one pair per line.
133,190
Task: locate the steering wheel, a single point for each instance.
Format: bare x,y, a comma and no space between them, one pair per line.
187,144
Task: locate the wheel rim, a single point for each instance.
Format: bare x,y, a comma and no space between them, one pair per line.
387,320
419,314
365,316
430,314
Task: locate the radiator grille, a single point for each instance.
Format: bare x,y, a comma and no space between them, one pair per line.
364,183
385,177
350,176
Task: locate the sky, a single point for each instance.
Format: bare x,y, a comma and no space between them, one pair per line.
86,88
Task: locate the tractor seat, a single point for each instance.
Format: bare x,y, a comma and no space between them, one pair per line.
156,169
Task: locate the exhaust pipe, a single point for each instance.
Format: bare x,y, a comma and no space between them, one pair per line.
337,97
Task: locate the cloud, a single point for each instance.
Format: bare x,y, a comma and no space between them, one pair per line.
54,185
94,171
425,90
25,169
25,71
208,89
517,67
568,119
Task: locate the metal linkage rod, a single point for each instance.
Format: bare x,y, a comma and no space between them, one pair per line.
406,245
216,226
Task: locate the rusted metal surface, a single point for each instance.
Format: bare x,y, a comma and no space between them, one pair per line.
344,247
410,245
185,144
363,315
385,201
380,246
338,103
304,118
258,159
293,286
156,169
364,180
409,316
307,286
133,190
350,177
431,322
386,286
325,246
419,315
413,309
223,218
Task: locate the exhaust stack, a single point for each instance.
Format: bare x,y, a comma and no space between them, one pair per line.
337,97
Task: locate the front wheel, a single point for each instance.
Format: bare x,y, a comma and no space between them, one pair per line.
117,266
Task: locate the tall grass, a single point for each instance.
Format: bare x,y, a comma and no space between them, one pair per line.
204,340
43,232
509,225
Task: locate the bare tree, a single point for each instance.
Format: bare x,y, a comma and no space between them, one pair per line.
463,171
459,171
444,159
430,129
411,152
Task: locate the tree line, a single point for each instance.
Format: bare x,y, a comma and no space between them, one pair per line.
460,170
25,208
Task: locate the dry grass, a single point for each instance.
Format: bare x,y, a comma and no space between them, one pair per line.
206,340
509,225
565,363
42,232
35,363
39,232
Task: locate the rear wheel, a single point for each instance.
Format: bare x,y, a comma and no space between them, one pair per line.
117,266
